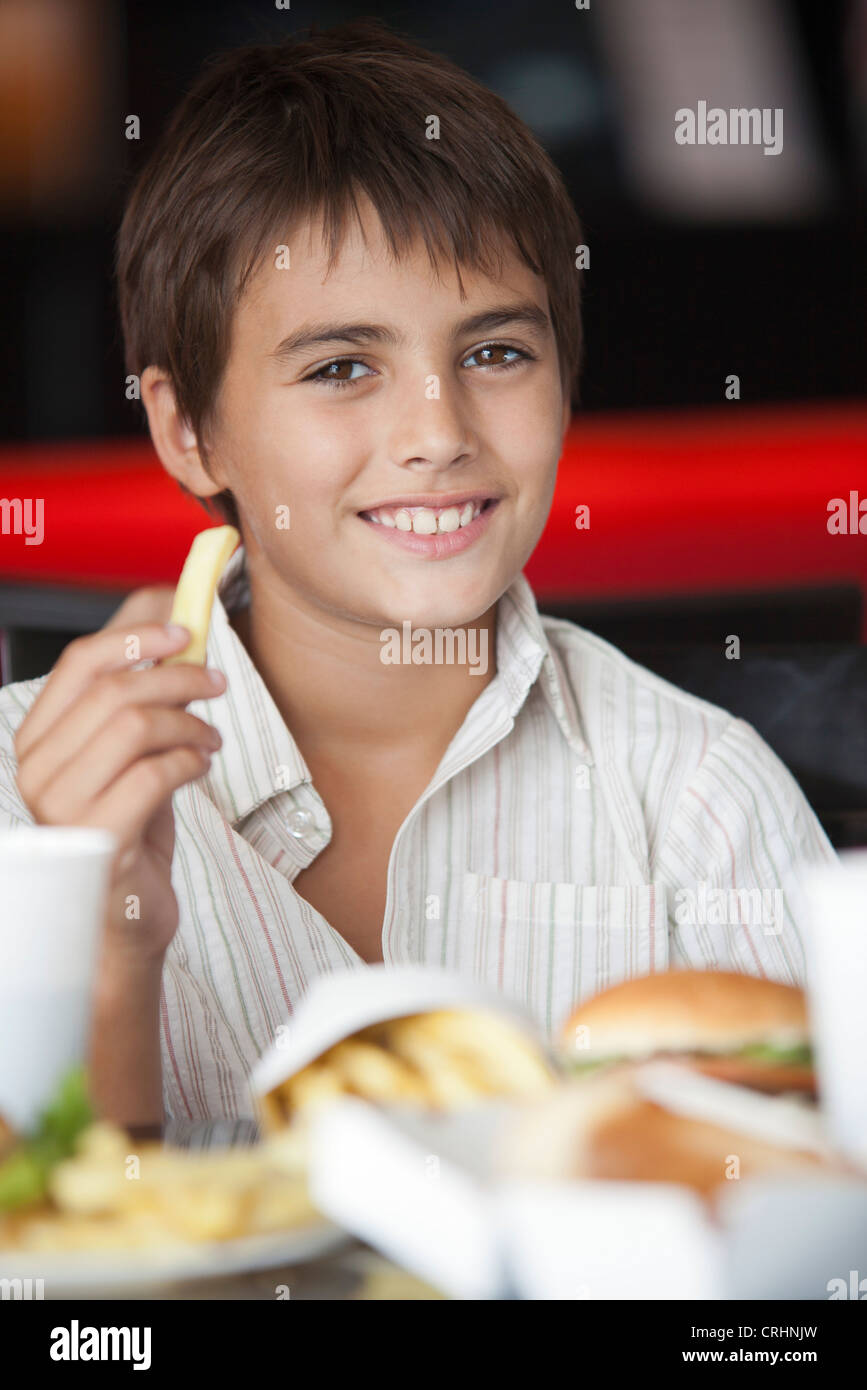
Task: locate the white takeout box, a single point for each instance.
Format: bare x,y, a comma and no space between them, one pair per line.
421,1189
337,1006
608,1240
385,1177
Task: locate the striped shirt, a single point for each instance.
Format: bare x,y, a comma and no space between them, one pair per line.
588,822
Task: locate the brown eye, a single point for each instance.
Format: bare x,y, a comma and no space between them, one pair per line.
492,356
339,372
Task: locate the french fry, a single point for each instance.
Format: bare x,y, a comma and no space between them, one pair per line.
280,1205
273,1112
509,1062
451,1082
374,1073
194,596
206,1210
287,1150
310,1087
88,1187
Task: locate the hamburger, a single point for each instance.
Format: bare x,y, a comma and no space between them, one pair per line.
690,1077
736,1028
612,1127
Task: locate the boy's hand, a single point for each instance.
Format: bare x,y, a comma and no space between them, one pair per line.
106,746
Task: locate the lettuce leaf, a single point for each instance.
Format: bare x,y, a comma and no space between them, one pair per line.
799,1055
25,1171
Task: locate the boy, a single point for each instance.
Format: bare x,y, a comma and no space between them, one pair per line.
347,282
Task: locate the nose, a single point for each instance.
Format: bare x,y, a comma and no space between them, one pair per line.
432,432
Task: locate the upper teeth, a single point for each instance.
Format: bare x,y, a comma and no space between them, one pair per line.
426,521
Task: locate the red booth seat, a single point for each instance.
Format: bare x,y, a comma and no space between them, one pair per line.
699,501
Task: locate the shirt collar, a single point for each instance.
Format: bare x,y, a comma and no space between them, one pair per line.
525,655
259,756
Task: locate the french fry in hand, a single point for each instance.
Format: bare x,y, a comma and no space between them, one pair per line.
194,596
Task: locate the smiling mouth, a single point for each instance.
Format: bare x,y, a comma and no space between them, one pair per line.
430,520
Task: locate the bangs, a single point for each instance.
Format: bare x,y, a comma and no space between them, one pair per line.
451,228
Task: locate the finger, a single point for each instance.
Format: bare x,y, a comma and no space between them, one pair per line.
111,649
152,604
131,801
166,686
135,732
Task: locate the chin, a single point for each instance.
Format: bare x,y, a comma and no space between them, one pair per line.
453,603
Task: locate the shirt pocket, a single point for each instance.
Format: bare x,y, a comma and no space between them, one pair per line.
551,945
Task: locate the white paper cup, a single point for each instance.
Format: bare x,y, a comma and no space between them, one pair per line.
53,893
837,984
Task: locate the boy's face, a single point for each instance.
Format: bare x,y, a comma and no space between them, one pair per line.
422,418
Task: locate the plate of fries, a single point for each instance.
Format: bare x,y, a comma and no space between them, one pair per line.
85,1206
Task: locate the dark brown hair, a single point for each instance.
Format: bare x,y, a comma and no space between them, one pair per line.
272,133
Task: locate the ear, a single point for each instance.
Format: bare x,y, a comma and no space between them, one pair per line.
172,437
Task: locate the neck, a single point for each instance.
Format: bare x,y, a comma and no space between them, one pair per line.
327,678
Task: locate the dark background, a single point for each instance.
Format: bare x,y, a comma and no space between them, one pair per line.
672,304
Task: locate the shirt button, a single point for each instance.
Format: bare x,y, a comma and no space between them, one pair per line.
300,824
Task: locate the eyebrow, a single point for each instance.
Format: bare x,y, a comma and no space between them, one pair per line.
525,313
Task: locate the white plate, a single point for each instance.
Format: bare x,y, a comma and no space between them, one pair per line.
117,1272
